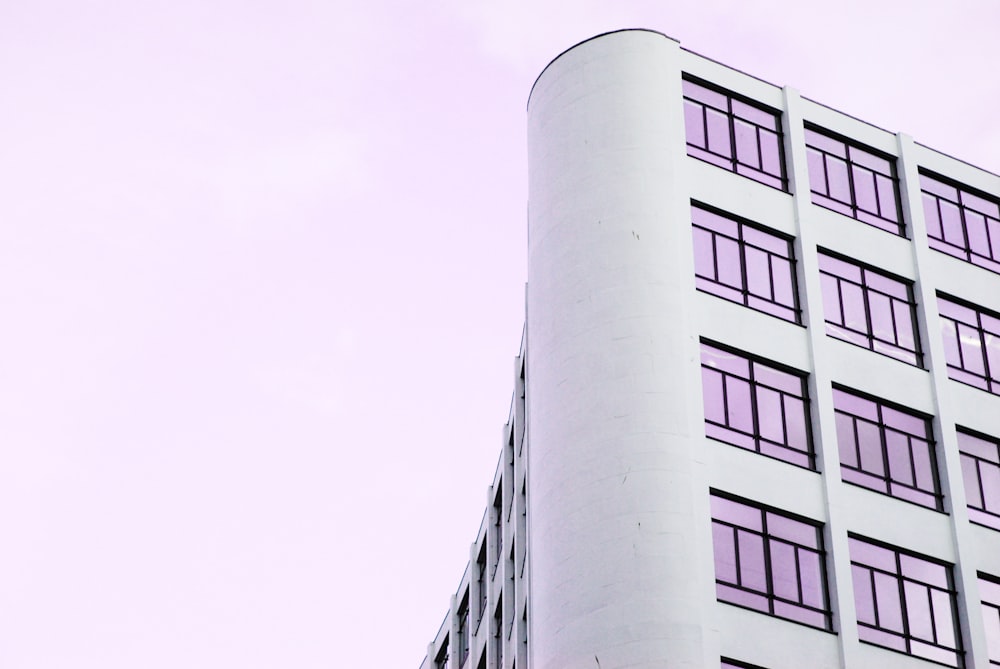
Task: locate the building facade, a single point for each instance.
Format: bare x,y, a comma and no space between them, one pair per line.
756,418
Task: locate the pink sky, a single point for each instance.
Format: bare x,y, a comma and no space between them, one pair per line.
262,267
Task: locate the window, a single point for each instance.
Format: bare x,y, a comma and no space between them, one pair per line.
871,309
734,134
756,405
981,471
971,344
463,631
905,602
989,590
741,263
886,448
769,561
498,526
855,181
498,634
961,223
734,664
481,584
441,661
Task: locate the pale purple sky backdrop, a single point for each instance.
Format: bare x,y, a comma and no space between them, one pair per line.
262,268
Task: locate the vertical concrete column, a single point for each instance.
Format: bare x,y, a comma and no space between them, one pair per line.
618,514
949,460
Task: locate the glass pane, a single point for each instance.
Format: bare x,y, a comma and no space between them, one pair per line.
761,117
870,444
738,407
746,143
905,422
932,185
864,600
864,189
758,273
769,415
924,570
980,205
918,610
922,453
975,227
693,90
704,256
752,572
956,311
852,404
836,174
817,171
831,298
795,424
990,476
881,312
811,577
944,620
735,513
951,224
711,385
903,315
781,272
898,452
725,361
970,477
977,446
712,221
872,555
853,302
846,440
825,143
728,262
887,285
784,575
718,133
887,198
694,124
949,335
725,553
792,530
972,350
771,153
991,617
890,612
870,160
931,217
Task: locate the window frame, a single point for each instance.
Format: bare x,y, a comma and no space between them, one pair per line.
988,515
906,635
464,632
880,424
853,209
767,539
746,297
733,159
990,606
990,378
753,385
841,331
990,263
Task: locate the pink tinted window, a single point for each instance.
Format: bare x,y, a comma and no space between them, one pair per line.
756,405
853,180
971,344
744,264
734,134
866,307
989,591
980,457
961,222
905,602
886,449
769,561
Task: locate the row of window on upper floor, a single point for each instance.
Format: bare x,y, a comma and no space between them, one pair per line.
745,137
743,263
774,562
764,407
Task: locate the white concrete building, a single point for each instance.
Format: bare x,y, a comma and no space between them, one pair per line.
756,418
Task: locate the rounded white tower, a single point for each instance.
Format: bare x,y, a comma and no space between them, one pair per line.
618,519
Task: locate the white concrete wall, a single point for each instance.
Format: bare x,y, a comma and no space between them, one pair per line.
620,551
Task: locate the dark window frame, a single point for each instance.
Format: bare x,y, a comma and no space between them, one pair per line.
729,662
932,201
735,165
826,200
838,329
441,659
886,476
463,630
990,608
754,385
747,298
987,515
989,380
766,542
906,635
482,583
497,511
